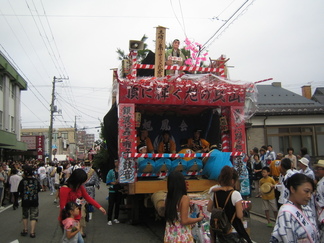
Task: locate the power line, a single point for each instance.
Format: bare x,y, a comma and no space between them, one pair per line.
183,22
57,50
223,30
17,67
175,15
80,110
44,37
219,29
30,42
217,17
101,16
19,99
93,88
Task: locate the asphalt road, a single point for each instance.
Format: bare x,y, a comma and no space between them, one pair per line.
149,230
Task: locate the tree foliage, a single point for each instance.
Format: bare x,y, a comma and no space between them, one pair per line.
100,159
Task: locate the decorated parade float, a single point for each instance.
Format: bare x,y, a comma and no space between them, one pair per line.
193,97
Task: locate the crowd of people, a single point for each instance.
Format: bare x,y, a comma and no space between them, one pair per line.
292,187
72,185
269,175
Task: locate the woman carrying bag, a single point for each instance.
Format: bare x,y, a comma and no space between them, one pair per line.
233,207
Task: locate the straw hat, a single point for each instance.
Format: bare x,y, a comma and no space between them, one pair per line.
266,188
320,163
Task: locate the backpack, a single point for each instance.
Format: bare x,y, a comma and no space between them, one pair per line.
219,222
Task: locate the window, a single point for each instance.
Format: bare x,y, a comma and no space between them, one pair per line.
64,135
1,81
272,130
12,123
54,136
297,137
320,148
283,129
1,118
283,144
320,140
320,129
13,90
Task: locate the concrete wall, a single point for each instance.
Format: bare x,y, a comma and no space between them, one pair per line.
255,138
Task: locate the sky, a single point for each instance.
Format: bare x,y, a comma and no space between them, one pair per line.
76,40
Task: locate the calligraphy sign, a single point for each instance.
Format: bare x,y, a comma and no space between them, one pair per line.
40,147
159,52
126,131
238,129
208,91
126,138
127,170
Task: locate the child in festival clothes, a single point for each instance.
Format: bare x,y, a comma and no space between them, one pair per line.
268,198
71,225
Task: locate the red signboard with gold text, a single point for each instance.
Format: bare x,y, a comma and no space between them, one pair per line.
209,91
126,128
40,147
238,129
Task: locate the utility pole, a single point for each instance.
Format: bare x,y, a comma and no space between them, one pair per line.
50,132
75,138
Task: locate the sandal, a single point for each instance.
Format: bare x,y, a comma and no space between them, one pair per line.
24,232
32,235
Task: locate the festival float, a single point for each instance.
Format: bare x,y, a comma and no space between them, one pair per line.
194,97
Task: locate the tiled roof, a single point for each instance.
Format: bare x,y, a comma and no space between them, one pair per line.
275,100
319,95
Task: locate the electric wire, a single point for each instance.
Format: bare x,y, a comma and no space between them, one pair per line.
104,16
217,17
25,77
230,23
57,61
52,35
183,22
175,15
75,108
80,110
48,40
45,39
31,44
45,44
20,101
12,61
219,29
67,108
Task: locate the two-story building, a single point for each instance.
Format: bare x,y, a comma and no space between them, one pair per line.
63,142
285,119
11,85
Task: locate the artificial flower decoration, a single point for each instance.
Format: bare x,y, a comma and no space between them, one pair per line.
197,56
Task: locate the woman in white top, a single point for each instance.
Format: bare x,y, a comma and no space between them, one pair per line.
227,180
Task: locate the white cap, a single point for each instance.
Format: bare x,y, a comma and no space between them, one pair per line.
304,161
